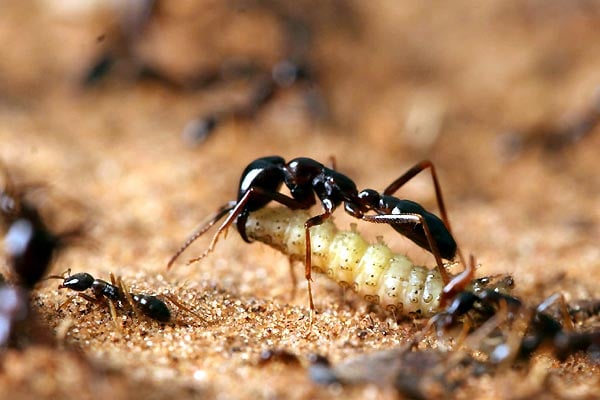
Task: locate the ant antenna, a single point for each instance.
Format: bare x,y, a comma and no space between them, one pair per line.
226,208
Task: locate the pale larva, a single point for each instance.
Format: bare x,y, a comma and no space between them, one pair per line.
372,270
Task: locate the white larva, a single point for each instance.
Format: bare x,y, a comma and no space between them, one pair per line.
372,270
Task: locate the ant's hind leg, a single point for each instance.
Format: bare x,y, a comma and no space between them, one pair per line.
411,173
182,306
413,219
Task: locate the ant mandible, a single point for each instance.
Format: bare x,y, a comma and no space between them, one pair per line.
309,180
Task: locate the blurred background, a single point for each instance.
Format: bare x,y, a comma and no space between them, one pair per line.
501,95
146,112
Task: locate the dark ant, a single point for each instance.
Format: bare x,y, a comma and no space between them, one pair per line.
116,294
309,180
121,54
555,136
542,328
264,89
30,247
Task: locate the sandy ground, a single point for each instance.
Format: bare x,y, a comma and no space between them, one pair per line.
478,90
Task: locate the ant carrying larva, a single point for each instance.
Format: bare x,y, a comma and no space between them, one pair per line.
374,271
310,182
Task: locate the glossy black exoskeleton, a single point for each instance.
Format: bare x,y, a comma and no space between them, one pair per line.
309,181
115,292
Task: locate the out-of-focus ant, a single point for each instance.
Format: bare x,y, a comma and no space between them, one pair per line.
30,247
554,136
542,329
294,67
116,295
264,89
309,180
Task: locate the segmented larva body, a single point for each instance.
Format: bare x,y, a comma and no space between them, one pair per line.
372,270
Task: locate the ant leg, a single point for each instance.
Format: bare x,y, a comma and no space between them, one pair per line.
235,209
316,220
413,219
458,283
564,310
113,314
83,296
411,173
118,282
181,306
202,229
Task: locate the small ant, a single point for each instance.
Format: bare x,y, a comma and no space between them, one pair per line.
309,180
116,294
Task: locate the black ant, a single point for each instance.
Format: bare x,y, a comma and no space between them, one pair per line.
116,294
309,180
542,328
30,246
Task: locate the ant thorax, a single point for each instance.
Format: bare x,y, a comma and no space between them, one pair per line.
374,271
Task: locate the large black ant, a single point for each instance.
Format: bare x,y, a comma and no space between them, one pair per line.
309,180
116,295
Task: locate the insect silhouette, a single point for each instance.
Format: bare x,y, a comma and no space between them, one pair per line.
117,296
309,181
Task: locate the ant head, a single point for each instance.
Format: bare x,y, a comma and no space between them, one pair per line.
78,282
262,173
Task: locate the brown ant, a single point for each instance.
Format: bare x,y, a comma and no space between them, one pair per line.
309,180
116,295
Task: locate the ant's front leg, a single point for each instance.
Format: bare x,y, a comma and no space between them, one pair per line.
413,219
316,220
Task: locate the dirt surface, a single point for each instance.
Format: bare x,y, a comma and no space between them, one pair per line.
484,91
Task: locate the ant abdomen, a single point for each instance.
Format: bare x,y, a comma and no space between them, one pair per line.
152,307
374,271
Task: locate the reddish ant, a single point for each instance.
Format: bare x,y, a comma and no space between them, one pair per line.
309,180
